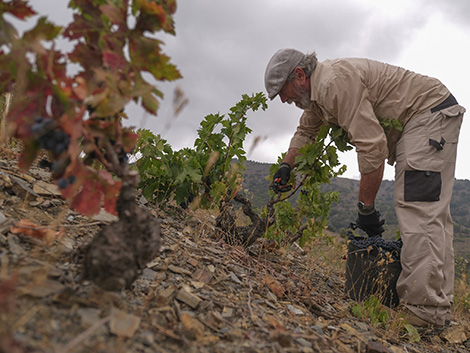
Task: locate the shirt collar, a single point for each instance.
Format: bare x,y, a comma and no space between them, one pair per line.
314,77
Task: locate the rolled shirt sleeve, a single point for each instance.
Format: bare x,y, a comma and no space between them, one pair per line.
307,130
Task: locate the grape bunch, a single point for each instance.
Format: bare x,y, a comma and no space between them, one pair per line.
54,139
385,247
49,136
63,183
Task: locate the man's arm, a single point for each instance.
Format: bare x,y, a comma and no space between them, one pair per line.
368,219
307,130
370,184
290,156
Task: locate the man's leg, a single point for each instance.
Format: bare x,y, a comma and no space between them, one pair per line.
424,180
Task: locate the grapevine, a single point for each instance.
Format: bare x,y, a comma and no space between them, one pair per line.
211,174
316,164
78,118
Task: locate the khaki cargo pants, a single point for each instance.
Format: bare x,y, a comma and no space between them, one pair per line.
424,180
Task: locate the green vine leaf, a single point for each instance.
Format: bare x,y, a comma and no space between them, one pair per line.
208,170
389,124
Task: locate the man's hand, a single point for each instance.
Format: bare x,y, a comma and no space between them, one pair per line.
371,223
280,179
282,175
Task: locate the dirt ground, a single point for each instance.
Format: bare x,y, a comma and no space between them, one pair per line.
197,295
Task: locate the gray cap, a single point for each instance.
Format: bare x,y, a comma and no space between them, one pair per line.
283,62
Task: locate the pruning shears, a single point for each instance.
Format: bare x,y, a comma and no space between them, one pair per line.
278,188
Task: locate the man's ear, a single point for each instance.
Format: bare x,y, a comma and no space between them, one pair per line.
300,74
301,78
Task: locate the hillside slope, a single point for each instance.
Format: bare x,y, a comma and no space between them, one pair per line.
199,295
344,211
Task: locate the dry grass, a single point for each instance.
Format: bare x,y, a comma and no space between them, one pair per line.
330,249
462,299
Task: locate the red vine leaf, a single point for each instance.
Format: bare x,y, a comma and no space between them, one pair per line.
146,55
110,190
114,60
42,30
88,58
18,8
111,193
170,5
79,88
274,285
129,139
88,24
116,15
81,173
150,103
96,191
88,199
31,229
153,17
52,68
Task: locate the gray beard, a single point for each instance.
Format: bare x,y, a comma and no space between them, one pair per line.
303,99
304,104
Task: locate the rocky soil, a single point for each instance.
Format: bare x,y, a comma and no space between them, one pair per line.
197,295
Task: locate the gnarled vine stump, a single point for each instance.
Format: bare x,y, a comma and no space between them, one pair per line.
240,235
116,255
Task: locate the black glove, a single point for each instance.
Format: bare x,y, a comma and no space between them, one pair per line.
371,223
282,175
280,179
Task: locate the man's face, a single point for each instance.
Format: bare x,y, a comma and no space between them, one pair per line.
293,92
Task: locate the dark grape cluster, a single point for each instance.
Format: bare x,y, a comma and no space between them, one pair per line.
52,138
63,183
385,247
49,136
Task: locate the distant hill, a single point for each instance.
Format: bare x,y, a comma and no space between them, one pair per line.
344,211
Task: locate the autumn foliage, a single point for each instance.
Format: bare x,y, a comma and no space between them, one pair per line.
84,92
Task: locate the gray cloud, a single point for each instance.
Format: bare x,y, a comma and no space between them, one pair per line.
222,47
456,11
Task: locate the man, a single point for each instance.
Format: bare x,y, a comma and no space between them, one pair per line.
357,94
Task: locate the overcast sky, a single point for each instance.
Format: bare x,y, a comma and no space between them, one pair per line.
222,47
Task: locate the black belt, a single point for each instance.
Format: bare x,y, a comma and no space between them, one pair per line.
449,102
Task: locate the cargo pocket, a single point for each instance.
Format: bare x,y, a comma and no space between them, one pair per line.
422,179
428,145
452,120
424,186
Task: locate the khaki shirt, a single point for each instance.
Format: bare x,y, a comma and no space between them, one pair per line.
354,94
